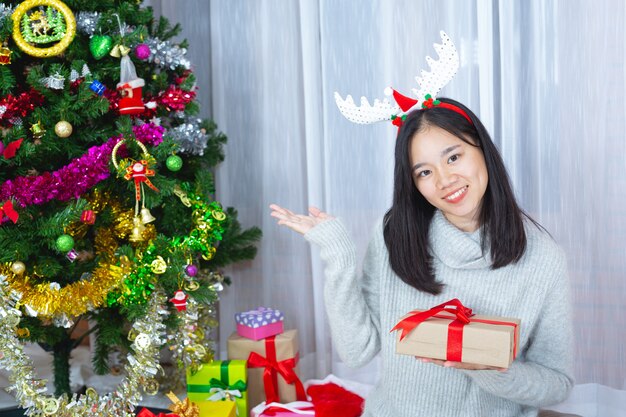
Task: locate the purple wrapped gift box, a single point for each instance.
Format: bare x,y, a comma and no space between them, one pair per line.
260,323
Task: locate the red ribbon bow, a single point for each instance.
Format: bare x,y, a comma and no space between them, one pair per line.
461,317
8,210
139,172
272,367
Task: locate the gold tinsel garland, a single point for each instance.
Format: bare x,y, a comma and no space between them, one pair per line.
49,300
72,300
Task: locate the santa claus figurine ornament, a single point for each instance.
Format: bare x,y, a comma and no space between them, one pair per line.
180,300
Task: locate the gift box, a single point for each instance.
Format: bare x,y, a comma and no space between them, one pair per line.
450,331
218,409
293,409
260,323
272,367
219,382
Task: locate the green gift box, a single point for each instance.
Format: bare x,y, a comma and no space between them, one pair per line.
220,381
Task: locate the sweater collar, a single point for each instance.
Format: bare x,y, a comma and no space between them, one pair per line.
454,247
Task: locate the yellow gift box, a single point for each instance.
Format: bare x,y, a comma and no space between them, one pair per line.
220,383
218,409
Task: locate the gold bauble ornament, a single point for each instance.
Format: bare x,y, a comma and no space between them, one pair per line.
34,28
18,267
63,129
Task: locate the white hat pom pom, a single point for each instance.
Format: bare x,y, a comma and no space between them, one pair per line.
388,91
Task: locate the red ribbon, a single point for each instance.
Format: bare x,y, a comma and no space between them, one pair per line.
273,368
147,413
8,210
461,317
139,172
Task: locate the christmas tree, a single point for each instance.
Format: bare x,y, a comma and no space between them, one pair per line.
107,200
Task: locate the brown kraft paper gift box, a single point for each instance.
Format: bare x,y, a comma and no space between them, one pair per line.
286,346
485,340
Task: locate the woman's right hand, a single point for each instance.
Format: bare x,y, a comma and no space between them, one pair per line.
301,223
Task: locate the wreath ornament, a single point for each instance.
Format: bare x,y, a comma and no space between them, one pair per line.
54,23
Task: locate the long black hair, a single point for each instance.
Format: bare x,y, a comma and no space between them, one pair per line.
407,222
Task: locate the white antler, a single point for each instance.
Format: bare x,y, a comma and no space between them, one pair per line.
366,113
441,71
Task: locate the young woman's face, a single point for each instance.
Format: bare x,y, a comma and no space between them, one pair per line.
451,175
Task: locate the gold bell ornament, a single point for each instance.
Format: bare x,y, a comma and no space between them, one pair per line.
137,231
146,216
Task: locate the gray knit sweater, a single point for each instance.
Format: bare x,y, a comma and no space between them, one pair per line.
362,309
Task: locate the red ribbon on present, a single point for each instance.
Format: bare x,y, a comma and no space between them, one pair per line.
139,172
460,317
8,210
147,413
273,368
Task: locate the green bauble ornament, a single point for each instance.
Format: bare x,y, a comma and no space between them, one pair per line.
174,163
100,45
65,243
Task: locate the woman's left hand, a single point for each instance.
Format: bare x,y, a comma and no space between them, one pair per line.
459,365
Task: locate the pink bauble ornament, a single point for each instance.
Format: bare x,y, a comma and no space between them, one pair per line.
191,270
1,146
142,51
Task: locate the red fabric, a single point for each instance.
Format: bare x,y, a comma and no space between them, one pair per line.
8,210
331,400
11,149
147,413
403,101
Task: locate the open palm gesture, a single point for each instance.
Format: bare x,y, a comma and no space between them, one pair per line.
301,223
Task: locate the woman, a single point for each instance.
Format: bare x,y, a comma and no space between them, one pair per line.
454,231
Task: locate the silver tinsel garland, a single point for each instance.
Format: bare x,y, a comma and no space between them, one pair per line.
166,54
191,138
147,336
86,22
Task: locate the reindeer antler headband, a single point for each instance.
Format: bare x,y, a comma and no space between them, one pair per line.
430,83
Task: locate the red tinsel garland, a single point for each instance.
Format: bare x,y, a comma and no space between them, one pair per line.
12,107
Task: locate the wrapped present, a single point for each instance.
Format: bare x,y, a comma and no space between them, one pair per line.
272,367
450,331
218,409
293,409
219,382
260,323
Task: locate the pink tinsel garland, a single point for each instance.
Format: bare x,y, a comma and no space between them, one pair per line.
77,177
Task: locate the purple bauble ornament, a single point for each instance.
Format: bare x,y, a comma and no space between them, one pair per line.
142,51
191,270
1,146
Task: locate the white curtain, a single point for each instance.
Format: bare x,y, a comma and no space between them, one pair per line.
547,78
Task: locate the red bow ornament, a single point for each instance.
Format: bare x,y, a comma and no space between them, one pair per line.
139,172
8,210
